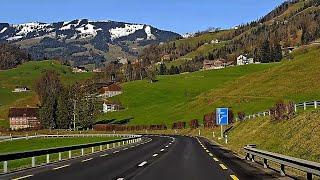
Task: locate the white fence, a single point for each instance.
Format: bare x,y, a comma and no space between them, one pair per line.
304,105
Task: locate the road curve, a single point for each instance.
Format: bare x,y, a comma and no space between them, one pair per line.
157,158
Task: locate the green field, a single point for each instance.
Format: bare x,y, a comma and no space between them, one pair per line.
165,101
25,75
250,88
45,143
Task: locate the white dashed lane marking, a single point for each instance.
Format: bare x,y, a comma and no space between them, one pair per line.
87,160
155,155
103,155
143,163
60,167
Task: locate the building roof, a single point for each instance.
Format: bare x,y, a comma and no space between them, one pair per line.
21,112
111,87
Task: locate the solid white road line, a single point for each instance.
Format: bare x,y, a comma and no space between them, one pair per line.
60,167
143,163
103,155
85,160
223,166
155,155
23,177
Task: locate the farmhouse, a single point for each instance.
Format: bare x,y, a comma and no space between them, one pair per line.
21,89
24,118
109,106
216,64
110,90
243,60
79,69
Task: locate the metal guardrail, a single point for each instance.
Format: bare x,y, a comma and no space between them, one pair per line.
12,138
311,168
304,105
32,154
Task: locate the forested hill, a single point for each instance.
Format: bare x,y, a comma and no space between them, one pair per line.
293,23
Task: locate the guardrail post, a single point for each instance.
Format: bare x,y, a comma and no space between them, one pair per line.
92,149
265,163
48,158
315,104
282,171
100,147
119,144
82,152
5,166
252,158
295,108
60,156
33,161
305,106
70,155
108,146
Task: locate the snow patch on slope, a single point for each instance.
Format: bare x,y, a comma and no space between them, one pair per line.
24,29
149,33
14,38
67,25
124,31
3,30
88,29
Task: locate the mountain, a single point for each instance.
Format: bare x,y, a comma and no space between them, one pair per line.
82,41
292,24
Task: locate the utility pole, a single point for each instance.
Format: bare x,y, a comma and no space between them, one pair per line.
74,114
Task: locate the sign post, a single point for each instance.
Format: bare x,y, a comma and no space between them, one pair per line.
222,118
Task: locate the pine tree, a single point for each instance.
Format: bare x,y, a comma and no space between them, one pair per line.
64,111
47,112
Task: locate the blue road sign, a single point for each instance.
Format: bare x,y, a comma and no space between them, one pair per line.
222,116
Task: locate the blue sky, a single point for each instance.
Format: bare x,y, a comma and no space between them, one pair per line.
176,15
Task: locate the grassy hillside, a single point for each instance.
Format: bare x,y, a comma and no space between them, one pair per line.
165,100
25,75
294,80
249,88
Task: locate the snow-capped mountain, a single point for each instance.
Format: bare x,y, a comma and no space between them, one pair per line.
83,41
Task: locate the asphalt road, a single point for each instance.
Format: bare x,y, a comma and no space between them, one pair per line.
157,158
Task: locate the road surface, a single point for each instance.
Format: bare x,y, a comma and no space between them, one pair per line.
156,158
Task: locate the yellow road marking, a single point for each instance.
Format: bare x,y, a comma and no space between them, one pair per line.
23,177
215,159
223,166
234,177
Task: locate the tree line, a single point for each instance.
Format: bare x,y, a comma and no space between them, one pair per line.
61,104
11,56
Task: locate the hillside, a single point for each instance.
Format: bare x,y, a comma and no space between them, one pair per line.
165,100
25,75
292,24
82,41
250,88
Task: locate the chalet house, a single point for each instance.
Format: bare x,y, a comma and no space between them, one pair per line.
24,118
19,89
216,64
79,69
109,106
243,60
110,90
215,41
